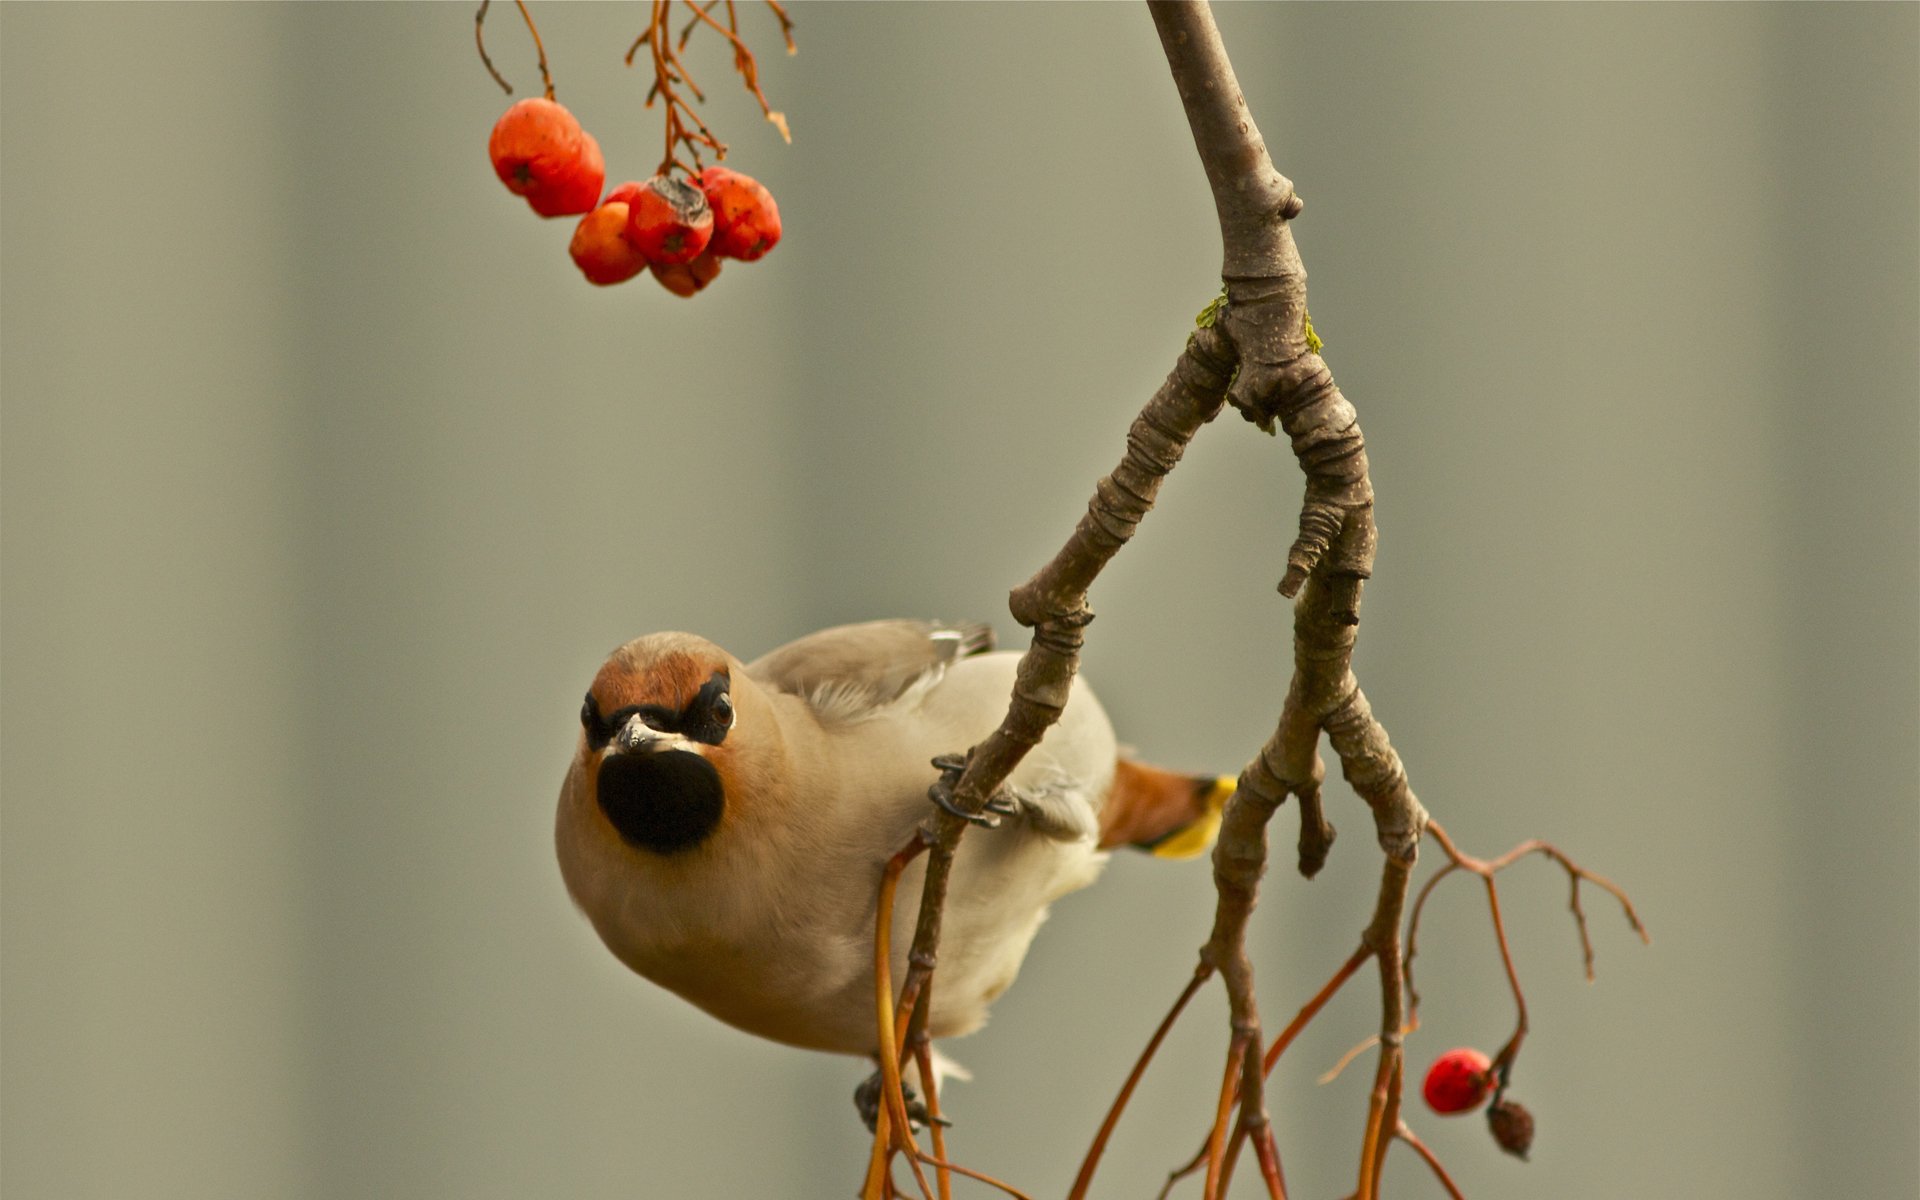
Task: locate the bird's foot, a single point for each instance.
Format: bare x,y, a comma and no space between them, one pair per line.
866,1099
951,766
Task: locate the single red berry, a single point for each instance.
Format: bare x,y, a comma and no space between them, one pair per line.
684,279
1458,1081
539,151
746,221
669,221
600,247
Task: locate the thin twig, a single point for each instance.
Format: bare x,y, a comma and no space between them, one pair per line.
1217,1140
479,39
970,1173
749,69
1091,1163
1312,1007
923,1058
1459,860
539,48
893,1130
786,23
1433,1161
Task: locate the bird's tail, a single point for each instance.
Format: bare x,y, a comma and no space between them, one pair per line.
1165,813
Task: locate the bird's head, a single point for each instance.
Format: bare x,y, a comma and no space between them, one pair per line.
657,732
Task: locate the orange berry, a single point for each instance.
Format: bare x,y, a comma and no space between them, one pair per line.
669,221
600,247
540,152
684,279
746,221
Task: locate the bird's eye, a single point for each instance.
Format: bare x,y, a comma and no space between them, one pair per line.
723,711
590,718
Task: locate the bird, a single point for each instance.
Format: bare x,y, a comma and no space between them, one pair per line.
724,825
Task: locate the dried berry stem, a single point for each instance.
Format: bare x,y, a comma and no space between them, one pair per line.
786,22
480,40
743,61
1458,860
539,48
683,125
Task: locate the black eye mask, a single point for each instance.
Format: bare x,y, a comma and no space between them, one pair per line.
706,718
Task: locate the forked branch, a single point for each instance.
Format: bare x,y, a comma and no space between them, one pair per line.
1256,349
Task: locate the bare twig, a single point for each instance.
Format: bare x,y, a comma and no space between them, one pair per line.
545,78
1432,1160
1458,860
1092,1161
480,40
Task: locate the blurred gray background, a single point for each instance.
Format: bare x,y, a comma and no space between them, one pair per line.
318,457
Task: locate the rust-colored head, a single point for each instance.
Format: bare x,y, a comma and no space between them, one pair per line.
654,729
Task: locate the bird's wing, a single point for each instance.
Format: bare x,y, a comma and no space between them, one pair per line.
851,671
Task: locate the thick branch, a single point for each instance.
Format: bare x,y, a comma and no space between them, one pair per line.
1283,381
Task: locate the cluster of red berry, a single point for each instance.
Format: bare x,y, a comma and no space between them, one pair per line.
680,230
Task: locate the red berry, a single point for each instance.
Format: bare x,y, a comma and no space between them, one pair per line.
746,221
600,247
669,221
1458,1081
576,191
684,279
539,151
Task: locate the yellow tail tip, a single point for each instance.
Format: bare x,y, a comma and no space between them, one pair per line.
1194,839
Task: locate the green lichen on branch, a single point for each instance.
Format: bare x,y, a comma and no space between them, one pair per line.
1211,312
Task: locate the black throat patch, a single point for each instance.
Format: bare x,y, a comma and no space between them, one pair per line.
665,802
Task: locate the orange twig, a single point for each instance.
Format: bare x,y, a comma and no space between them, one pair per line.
786,23
892,1128
970,1173
743,61
1091,1163
1432,1160
1216,1140
923,1057
1312,1007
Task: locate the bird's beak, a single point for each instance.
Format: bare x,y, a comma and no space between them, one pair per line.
637,737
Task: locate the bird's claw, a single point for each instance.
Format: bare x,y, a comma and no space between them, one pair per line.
866,1099
999,806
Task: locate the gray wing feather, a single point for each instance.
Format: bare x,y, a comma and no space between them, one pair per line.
850,670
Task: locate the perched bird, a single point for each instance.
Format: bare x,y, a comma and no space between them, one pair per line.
724,825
